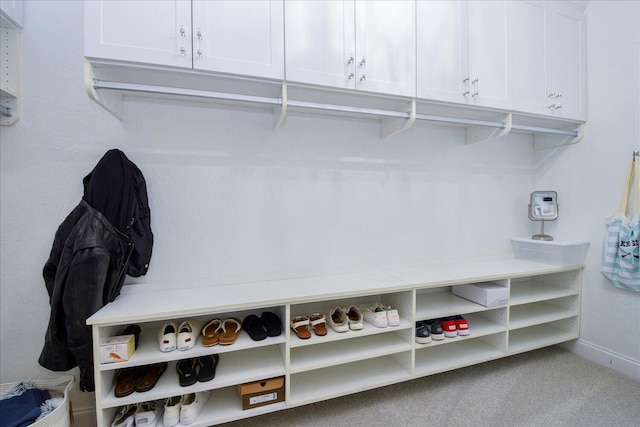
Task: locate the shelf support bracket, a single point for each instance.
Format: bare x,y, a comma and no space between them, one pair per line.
110,102
542,141
280,112
390,126
477,133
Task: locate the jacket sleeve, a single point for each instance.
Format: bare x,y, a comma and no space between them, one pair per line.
83,297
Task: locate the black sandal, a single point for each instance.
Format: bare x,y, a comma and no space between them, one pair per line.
208,365
187,372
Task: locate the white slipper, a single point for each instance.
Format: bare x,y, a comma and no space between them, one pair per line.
167,337
188,332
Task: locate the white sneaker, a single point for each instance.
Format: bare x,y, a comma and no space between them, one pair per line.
125,417
393,318
172,407
167,337
148,414
355,318
338,320
375,316
188,332
192,404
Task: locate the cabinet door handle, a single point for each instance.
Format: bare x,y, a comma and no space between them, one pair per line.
183,51
363,77
350,76
465,81
199,34
199,53
350,60
183,34
476,87
363,62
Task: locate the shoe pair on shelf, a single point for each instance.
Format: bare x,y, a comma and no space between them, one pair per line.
138,378
146,414
381,316
259,328
302,325
438,329
200,369
183,337
184,409
223,332
344,319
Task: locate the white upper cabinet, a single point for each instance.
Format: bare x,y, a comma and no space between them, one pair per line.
462,52
568,62
368,46
239,37
148,32
548,59
235,37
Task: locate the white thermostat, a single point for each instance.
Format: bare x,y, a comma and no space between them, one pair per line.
543,206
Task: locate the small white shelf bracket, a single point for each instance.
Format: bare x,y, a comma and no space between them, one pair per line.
280,112
543,141
390,126
111,102
481,132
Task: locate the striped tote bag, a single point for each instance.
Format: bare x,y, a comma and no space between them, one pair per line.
621,250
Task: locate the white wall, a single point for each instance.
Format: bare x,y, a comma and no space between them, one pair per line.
589,178
231,200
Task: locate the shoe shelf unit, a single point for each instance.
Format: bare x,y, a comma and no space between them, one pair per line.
543,309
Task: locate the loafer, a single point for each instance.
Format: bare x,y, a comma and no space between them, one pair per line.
192,404
188,332
167,337
149,376
338,320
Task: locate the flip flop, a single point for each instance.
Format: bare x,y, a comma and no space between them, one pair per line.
208,365
273,323
255,327
187,372
318,323
231,327
149,376
300,325
126,381
211,332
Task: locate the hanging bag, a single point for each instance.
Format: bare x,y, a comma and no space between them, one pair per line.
621,252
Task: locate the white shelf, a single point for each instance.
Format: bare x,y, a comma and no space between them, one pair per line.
441,304
536,313
237,368
327,383
341,352
543,310
478,327
539,336
462,353
532,290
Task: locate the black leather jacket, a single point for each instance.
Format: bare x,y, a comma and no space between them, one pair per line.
85,271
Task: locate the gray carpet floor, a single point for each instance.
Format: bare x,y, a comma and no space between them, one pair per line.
546,387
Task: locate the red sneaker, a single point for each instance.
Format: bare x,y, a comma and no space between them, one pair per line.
461,325
448,325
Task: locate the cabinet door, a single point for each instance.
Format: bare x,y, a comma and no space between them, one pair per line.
150,32
385,47
239,37
530,30
568,62
320,43
488,54
441,50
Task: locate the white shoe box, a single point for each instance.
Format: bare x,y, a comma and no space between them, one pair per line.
117,349
487,294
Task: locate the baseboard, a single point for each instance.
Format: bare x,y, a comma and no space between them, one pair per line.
85,418
606,358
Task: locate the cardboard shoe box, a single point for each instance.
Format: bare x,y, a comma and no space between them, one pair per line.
117,349
487,294
260,393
